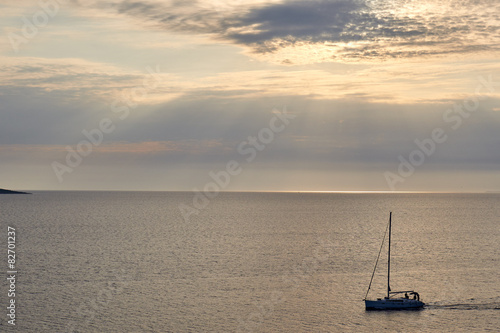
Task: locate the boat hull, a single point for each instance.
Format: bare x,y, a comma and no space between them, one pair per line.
393,304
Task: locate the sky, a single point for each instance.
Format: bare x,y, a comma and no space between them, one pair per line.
250,95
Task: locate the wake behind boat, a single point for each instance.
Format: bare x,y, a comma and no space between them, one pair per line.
394,300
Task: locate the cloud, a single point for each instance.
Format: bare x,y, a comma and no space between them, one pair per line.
80,77
53,100
197,135
141,148
338,30
78,81
325,133
313,21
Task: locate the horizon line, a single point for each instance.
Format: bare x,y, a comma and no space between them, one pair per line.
274,191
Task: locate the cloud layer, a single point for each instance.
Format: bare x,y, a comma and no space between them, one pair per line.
370,77
339,30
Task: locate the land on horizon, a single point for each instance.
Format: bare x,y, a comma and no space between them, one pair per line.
4,191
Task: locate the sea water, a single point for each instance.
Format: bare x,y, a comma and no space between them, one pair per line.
249,262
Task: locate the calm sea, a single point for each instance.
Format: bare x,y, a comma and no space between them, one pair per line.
249,262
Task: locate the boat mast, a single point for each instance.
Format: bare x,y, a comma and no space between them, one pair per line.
389,257
376,262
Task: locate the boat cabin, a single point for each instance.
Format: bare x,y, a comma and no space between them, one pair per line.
410,294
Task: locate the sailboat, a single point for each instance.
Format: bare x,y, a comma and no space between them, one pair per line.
394,300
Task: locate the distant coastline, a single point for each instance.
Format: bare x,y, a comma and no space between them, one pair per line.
2,191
